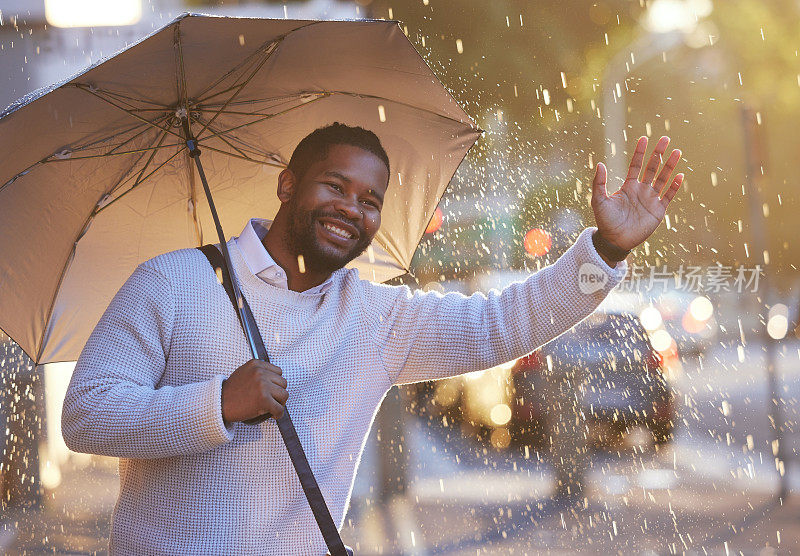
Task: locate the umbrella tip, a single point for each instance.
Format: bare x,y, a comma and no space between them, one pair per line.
181,16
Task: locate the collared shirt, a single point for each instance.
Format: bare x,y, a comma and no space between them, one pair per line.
260,262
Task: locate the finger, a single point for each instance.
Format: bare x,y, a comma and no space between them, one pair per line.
280,381
273,368
638,159
599,190
276,409
663,176
655,160
672,190
280,395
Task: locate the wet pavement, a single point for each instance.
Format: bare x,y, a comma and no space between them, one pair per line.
710,491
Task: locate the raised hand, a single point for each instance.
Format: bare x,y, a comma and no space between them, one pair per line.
631,215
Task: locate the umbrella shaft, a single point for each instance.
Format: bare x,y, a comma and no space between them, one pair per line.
194,153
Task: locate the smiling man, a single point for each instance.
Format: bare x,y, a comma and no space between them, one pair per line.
166,380
332,196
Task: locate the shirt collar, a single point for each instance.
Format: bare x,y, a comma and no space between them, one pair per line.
258,259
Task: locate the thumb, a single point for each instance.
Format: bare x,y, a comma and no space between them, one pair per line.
599,191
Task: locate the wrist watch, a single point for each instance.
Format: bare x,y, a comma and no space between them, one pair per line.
608,249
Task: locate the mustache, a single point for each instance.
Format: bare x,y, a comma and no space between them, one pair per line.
317,214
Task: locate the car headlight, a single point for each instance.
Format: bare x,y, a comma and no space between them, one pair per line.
650,318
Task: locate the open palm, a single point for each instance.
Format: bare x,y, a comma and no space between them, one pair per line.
630,215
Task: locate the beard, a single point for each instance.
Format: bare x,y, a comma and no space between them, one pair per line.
301,235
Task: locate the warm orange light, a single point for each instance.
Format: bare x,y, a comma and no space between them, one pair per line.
92,13
436,221
691,324
537,242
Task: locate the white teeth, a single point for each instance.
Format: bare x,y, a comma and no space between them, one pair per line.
338,231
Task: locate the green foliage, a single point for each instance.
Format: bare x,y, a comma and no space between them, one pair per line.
690,92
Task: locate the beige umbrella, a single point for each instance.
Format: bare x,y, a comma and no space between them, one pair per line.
96,175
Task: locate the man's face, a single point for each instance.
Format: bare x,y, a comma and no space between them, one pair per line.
335,209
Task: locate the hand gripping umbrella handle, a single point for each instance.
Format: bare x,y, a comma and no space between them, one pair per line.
316,501
301,466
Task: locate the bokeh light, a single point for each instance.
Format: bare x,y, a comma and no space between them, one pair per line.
537,242
436,221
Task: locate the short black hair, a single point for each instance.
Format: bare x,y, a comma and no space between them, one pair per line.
316,145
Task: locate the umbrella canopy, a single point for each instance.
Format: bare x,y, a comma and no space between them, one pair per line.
96,176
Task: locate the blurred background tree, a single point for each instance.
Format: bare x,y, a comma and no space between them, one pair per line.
536,76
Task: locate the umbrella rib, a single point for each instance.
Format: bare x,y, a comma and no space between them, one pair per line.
70,255
247,158
244,62
221,137
181,75
321,95
126,97
204,107
324,94
95,212
22,173
152,155
113,135
222,92
52,304
139,181
144,130
51,159
126,176
208,107
248,59
267,55
112,151
234,112
103,155
261,119
129,112
407,105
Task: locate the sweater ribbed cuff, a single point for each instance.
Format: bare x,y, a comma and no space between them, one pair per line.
224,433
588,253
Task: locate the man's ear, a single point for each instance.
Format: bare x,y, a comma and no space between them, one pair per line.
287,184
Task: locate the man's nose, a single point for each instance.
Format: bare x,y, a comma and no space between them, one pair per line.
349,208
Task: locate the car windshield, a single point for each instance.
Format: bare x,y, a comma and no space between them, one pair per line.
603,335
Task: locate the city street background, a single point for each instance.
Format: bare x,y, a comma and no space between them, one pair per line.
558,86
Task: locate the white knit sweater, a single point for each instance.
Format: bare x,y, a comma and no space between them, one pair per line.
147,389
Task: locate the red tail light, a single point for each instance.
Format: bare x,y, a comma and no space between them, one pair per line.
655,362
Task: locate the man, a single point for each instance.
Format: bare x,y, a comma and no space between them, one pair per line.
166,378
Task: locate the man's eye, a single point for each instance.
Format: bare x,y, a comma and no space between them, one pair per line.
337,187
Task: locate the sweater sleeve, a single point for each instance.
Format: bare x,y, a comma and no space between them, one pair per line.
427,335
112,406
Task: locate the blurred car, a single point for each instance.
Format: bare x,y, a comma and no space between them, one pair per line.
479,402
685,317
622,385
